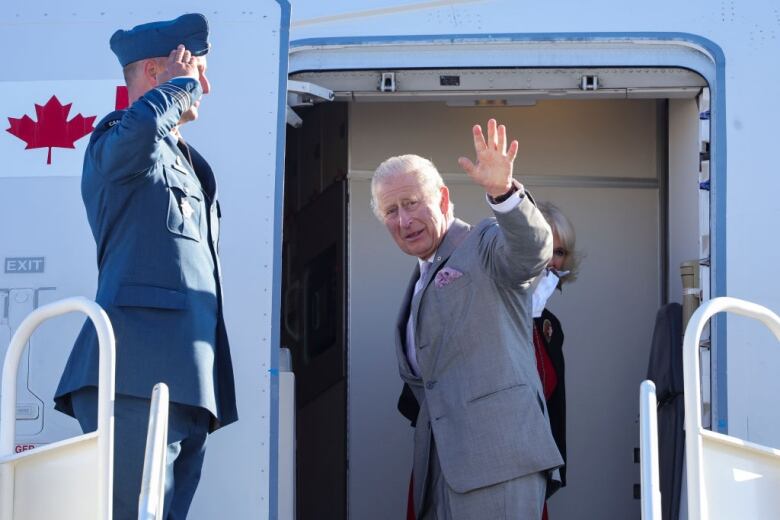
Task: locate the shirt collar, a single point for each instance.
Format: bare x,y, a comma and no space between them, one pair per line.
420,262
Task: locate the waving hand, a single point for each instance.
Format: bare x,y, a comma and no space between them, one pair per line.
493,170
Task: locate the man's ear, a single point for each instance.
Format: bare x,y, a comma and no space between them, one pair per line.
444,203
150,71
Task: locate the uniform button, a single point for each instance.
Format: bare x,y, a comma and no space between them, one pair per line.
430,384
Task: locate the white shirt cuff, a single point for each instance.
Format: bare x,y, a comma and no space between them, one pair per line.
509,204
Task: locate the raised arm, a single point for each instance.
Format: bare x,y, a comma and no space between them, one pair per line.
127,146
520,246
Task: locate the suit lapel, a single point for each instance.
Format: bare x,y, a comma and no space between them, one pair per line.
204,173
452,239
456,233
199,169
403,319
182,162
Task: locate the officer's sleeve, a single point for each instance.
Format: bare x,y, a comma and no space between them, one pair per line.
131,145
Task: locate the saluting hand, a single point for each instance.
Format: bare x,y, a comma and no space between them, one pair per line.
180,62
493,170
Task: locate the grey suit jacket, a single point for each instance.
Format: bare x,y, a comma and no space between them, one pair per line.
479,389
155,220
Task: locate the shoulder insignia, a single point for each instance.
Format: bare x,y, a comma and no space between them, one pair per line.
109,121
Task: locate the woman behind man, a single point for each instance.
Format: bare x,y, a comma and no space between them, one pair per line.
548,335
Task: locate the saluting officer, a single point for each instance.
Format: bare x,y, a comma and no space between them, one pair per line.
151,202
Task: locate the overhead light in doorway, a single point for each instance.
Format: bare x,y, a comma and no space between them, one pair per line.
492,103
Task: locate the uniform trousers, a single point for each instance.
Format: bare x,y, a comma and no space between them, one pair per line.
188,428
517,499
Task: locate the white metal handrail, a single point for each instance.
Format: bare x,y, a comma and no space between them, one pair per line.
151,500
286,449
697,505
648,452
105,441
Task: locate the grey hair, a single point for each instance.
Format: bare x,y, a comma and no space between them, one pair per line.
131,70
424,170
561,225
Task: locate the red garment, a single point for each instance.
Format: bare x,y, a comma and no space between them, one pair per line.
544,366
547,375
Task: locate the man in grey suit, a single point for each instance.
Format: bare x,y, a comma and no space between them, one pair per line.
151,201
483,446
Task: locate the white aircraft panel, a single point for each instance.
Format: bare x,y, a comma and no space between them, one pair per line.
62,49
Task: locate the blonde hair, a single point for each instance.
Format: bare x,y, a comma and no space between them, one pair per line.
424,171
561,225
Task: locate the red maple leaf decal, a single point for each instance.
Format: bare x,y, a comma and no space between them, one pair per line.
52,128
122,98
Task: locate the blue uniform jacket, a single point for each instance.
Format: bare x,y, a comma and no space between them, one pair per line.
155,220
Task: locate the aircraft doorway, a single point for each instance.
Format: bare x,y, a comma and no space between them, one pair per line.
625,171
313,302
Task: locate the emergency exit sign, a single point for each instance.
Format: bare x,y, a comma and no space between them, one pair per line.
24,265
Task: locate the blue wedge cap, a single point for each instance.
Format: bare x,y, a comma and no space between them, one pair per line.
158,39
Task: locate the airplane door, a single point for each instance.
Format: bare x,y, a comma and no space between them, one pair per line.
29,407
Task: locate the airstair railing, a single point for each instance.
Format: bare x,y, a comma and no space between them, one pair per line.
105,441
695,433
286,450
648,452
151,500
